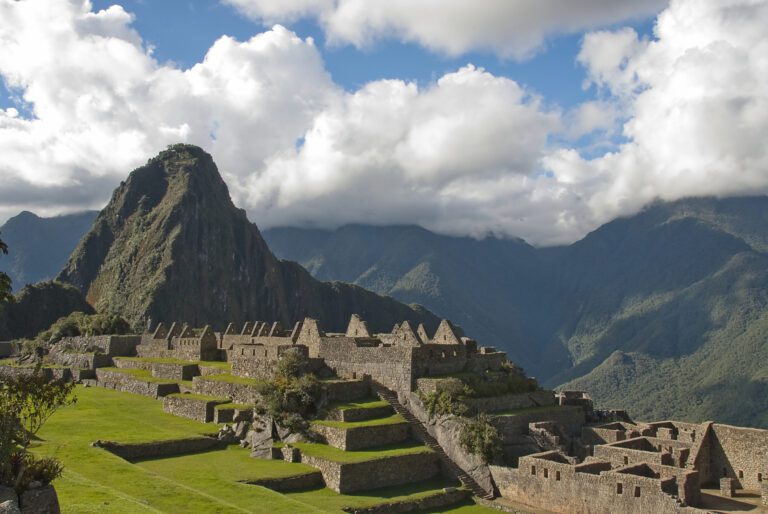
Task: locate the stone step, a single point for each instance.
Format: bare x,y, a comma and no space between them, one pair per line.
360,411
344,473
193,406
360,435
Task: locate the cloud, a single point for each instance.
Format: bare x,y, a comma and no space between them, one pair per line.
102,105
471,153
510,28
697,102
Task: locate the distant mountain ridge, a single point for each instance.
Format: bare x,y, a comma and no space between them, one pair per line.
664,312
39,247
170,245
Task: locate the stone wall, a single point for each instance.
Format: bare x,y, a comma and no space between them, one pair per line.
561,487
388,365
764,492
112,346
360,438
512,401
239,393
141,451
346,390
361,414
293,483
740,453
80,360
129,384
570,418
192,407
373,474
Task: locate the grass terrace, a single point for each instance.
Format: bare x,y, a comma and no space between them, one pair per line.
395,419
96,481
201,397
373,403
232,379
327,452
141,374
224,366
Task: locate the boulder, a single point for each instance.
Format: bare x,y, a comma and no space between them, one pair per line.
9,507
41,500
296,437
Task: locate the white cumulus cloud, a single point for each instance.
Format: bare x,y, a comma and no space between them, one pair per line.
510,28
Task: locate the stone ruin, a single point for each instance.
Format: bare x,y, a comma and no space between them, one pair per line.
560,454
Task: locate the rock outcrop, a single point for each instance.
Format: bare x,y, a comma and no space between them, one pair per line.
170,245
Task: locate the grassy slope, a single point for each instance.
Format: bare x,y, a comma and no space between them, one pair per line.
95,481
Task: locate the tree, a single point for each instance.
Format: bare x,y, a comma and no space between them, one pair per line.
27,401
6,292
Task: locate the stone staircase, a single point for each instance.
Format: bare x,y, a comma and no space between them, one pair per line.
420,432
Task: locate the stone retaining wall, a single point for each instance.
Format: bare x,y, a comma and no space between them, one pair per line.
129,384
361,414
112,346
429,503
152,450
570,418
190,407
384,472
81,360
512,401
360,438
239,393
346,390
742,453
295,483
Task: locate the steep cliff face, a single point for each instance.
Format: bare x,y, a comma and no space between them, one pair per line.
170,245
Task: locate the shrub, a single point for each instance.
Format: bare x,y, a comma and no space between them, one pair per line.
442,403
292,396
480,437
26,403
80,324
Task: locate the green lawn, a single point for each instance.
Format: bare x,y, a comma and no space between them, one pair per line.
236,406
95,481
224,366
389,420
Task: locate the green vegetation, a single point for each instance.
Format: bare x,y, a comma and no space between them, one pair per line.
26,403
480,437
95,481
79,323
224,366
292,397
325,451
395,419
140,374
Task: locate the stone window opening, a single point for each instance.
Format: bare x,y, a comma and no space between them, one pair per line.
759,477
725,472
557,476
546,473
619,488
533,470
741,474
637,491
626,460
